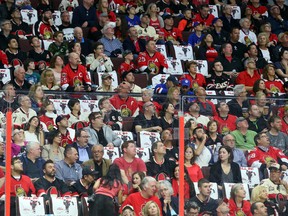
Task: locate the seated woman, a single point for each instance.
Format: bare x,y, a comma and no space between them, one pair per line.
168,121
193,169
213,138
37,97
98,61
151,209
272,83
48,81
33,131
169,203
206,49
225,170
18,145
57,64
282,65
106,85
53,150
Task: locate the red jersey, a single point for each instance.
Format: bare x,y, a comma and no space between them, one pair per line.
171,35
258,156
126,107
207,21
284,126
261,9
20,187
275,86
246,79
3,58
195,172
138,202
45,31
155,24
74,77
126,67
49,122
175,187
66,139
199,80
211,54
226,125
137,165
244,210
154,62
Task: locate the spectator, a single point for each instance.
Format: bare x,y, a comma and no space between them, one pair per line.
74,46
139,199
53,150
237,198
168,120
238,49
98,163
207,108
132,19
156,20
172,151
84,186
106,85
255,120
283,8
147,95
247,36
59,46
163,88
191,208
122,102
128,64
166,7
84,15
228,21
159,166
253,52
218,80
66,25
6,30
271,81
128,211
239,102
82,146
74,76
186,91
210,205
48,80
204,16
185,24
214,139
112,46
196,79
31,76
68,134
282,65
95,32
68,5
220,36
32,161
258,208
265,47
238,155
19,28
277,138
33,131
8,100
169,202
225,167
193,169
249,76
145,31
37,97
277,22
196,37
128,163
129,77
21,115
194,112
44,27
41,57
86,47
75,115
244,138
48,117
133,42
100,133
207,50
18,144
98,61
48,185
147,121
103,7
15,56
68,170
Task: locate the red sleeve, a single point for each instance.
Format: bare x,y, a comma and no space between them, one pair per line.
112,16
182,25
141,60
252,157
200,174
86,77
179,34
240,79
121,69
64,77
3,58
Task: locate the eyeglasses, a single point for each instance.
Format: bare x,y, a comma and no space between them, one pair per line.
98,152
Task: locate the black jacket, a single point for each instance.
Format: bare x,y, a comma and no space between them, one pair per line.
88,149
128,44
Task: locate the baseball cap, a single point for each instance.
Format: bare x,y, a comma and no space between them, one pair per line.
16,131
105,76
109,25
124,85
60,118
185,82
240,119
173,79
126,52
167,16
127,207
275,166
88,171
195,24
214,20
131,6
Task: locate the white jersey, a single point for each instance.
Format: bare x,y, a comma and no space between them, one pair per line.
20,117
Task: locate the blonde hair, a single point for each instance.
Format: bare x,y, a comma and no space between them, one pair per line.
44,75
255,195
145,209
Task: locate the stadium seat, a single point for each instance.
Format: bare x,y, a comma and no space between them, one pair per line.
24,45
206,172
185,35
127,123
141,80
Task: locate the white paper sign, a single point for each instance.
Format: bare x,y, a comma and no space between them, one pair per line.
111,153
228,186
202,67
213,10
47,43
32,206
162,49
61,106
174,67
250,176
68,34
114,78
143,153
184,52
29,16
160,78
228,93
148,138
124,135
57,18
88,106
64,206
5,76
236,12
213,187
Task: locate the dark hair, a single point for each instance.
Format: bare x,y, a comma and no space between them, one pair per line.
256,84
203,42
100,102
27,125
282,52
13,159
192,161
272,119
189,63
31,39
71,45
27,62
72,102
67,149
113,175
257,137
154,146
51,136
11,38
164,108
210,123
53,60
223,46
189,181
233,28
47,162
57,33
126,144
250,45
203,6
202,181
92,116
97,44
78,132
229,150
254,207
141,175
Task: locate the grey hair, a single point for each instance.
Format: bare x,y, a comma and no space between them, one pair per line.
225,137
146,180
21,98
6,86
31,145
238,89
17,69
96,145
166,184
242,21
234,190
149,91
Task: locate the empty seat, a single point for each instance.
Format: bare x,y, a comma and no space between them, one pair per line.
24,45
141,80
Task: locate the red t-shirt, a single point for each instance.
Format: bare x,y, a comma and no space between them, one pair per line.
211,54
137,201
245,79
137,165
171,35
155,24
261,9
207,21
195,172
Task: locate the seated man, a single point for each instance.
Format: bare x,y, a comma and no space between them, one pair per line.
59,46
147,121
